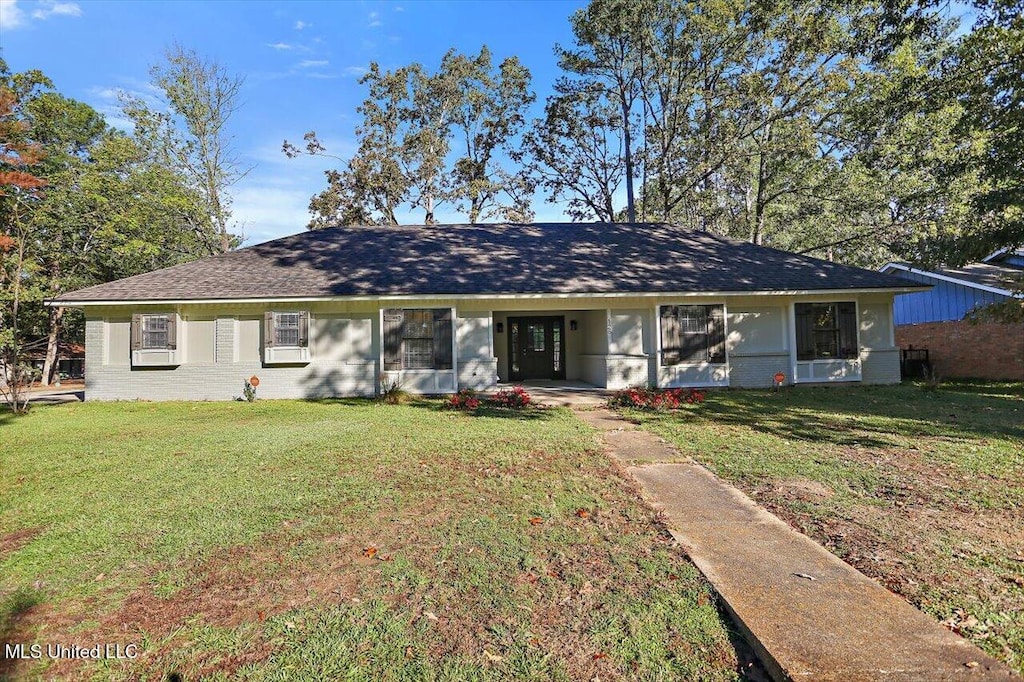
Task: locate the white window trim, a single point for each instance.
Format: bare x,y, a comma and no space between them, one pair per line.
795,364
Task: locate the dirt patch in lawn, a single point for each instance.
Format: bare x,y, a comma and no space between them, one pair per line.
12,542
288,573
926,534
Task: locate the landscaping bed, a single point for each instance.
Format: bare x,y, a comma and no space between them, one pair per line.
310,540
921,489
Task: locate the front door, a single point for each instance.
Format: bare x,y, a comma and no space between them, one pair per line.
536,348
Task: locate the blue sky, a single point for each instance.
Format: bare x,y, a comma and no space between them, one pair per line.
301,62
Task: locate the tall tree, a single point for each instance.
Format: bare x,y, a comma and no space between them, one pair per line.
491,111
575,153
20,188
188,132
608,61
406,157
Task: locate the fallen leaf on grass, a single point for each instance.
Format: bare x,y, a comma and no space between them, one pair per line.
493,658
972,664
536,521
599,655
370,552
261,616
805,576
430,615
582,513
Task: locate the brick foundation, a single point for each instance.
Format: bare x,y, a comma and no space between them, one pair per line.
961,349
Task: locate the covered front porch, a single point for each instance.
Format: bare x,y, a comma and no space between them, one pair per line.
590,349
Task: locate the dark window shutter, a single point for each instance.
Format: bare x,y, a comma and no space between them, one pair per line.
443,339
804,331
670,341
136,331
304,329
172,331
716,334
848,330
393,320
268,329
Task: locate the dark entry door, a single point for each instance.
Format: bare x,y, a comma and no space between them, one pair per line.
536,348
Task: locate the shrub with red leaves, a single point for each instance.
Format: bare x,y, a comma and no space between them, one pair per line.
464,400
644,398
515,398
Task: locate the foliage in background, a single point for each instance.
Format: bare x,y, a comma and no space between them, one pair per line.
82,204
430,139
186,133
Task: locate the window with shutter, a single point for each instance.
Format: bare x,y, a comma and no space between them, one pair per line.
826,331
692,333
156,332
417,338
287,329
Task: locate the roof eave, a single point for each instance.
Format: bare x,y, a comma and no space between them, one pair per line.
71,303
954,280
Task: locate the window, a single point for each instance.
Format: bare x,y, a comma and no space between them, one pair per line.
826,331
692,333
286,329
154,332
417,339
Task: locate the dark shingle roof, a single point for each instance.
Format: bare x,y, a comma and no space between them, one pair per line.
489,259
998,276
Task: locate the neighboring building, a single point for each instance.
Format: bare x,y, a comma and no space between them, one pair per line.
934,319
70,360
333,312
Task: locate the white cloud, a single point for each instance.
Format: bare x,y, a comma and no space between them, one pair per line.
399,8
11,15
312,63
299,25
51,8
374,19
281,46
357,71
267,211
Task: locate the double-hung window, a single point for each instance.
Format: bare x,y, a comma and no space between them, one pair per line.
826,331
286,329
155,330
417,338
692,334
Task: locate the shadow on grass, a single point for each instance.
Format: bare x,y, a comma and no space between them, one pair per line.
869,416
13,609
530,413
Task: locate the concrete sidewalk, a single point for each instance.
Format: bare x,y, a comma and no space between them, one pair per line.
809,615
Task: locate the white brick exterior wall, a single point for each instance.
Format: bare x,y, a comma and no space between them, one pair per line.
614,345
757,370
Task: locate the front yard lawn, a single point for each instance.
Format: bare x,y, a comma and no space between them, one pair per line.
315,540
920,489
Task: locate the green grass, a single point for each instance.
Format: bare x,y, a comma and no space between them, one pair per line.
921,489
229,540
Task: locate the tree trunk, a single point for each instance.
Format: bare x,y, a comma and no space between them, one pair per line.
628,149
761,204
51,362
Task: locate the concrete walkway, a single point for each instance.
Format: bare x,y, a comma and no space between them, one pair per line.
809,615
